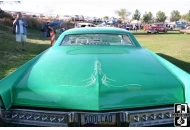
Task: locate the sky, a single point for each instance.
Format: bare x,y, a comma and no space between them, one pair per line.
98,8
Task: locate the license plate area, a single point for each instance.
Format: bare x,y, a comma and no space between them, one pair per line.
98,119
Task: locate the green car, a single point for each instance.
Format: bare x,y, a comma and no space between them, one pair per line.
94,77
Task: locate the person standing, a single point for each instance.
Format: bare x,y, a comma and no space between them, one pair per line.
49,29
21,31
134,27
44,31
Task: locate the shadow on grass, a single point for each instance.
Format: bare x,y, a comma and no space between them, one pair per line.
181,64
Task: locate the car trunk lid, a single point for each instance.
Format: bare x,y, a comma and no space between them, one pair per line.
115,78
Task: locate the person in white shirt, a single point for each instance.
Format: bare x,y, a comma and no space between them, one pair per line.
21,31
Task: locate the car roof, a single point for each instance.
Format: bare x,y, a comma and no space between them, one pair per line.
85,23
111,30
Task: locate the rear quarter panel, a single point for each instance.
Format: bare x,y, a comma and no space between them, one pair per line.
7,83
182,76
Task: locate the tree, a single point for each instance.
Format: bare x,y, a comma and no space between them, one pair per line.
184,16
188,16
136,15
175,15
147,17
123,14
150,16
160,16
106,18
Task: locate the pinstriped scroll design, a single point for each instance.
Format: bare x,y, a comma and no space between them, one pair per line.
104,79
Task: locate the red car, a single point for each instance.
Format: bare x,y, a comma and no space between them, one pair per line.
156,28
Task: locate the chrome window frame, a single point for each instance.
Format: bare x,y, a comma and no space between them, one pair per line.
132,43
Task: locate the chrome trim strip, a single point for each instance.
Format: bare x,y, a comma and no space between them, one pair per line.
188,118
30,115
156,122
128,114
151,110
133,44
81,112
53,124
124,117
75,117
0,115
1,118
39,111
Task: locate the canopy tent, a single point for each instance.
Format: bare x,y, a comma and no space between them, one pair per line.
56,22
135,22
109,22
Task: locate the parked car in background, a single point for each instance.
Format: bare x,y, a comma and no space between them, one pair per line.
97,20
75,18
78,18
126,26
186,30
88,19
80,25
65,18
178,25
81,18
146,26
35,16
94,77
156,28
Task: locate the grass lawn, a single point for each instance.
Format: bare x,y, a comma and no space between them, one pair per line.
9,58
174,47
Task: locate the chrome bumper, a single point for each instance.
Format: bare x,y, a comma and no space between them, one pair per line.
148,117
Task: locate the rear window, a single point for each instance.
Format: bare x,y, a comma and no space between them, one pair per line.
97,39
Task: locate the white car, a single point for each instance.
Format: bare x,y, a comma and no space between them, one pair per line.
65,18
80,25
